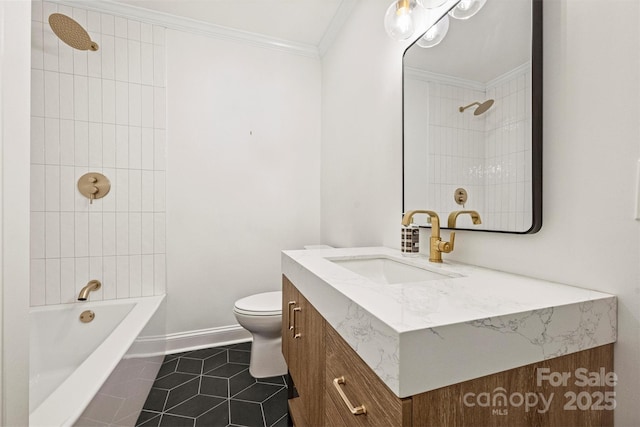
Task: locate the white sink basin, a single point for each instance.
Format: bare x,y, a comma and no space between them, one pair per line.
389,271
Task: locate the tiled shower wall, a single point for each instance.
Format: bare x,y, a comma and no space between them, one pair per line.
104,112
508,200
456,147
488,155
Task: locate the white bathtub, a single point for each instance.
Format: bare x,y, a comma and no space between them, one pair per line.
70,360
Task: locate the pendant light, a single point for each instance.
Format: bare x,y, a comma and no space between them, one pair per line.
430,4
398,21
435,34
403,16
466,8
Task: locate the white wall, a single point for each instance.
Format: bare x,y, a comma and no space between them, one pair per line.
242,175
101,111
361,133
591,144
14,212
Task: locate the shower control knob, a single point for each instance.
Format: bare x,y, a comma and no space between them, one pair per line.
460,196
93,185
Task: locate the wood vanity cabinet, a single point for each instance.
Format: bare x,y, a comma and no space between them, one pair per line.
320,355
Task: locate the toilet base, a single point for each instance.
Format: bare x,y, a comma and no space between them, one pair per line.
266,358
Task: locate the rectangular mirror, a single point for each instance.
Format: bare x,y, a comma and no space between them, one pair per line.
472,119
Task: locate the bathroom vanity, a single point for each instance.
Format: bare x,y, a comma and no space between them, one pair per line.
374,338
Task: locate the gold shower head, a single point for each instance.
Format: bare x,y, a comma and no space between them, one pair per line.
482,108
70,32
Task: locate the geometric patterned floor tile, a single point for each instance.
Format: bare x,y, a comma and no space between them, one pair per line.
195,406
227,370
258,392
212,387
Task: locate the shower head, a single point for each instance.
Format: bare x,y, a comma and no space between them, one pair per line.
70,32
482,108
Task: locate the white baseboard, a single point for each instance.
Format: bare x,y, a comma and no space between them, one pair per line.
187,341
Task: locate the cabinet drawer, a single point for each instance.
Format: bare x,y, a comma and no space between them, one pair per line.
361,387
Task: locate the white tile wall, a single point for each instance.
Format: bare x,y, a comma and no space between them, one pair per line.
456,147
508,137
487,154
102,112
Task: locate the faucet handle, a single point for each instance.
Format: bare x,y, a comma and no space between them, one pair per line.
475,217
447,247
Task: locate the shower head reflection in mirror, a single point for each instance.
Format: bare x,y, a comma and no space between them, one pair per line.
482,107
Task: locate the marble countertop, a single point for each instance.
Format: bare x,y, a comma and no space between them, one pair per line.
419,336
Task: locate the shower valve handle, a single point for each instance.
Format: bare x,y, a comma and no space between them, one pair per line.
93,186
92,193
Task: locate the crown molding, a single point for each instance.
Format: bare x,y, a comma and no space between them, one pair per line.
336,24
198,27
428,76
521,69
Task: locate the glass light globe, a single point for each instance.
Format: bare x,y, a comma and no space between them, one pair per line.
430,4
435,34
398,21
467,8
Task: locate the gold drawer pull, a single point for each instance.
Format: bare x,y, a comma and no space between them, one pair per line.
291,304
354,410
296,334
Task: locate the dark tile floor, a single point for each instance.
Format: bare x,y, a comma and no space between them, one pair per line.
212,387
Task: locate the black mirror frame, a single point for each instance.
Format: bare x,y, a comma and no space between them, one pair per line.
536,124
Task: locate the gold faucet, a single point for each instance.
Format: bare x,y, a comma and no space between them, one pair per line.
475,217
436,245
93,285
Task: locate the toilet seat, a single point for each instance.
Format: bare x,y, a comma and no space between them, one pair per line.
264,304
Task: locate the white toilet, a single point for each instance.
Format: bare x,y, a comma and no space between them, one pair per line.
261,314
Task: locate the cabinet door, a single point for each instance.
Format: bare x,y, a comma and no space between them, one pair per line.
361,387
303,347
290,300
309,330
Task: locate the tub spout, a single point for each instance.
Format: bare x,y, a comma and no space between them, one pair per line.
93,285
